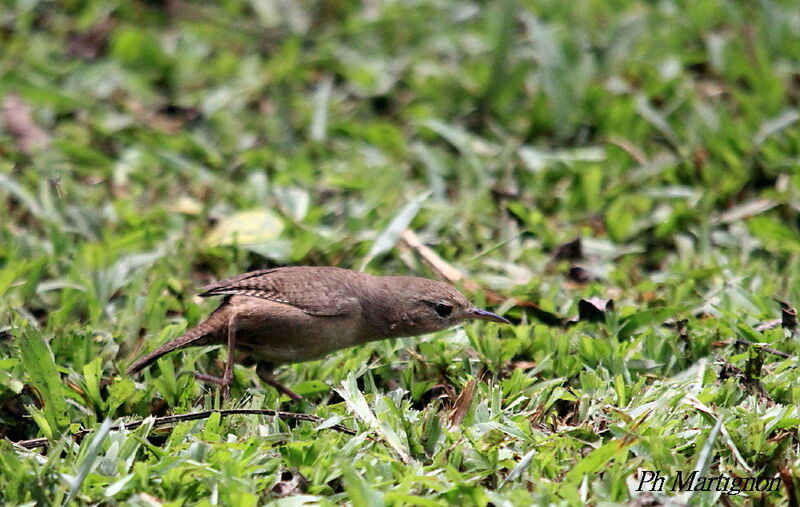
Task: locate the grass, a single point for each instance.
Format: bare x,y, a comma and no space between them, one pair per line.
150,147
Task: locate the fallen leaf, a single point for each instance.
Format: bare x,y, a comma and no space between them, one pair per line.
28,137
290,484
90,43
257,230
744,210
770,324
594,309
186,205
788,316
788,483
571,250
580,275
462,403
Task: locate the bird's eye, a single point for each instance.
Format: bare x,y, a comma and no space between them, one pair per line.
442,310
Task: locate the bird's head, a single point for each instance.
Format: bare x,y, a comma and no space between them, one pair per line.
419,306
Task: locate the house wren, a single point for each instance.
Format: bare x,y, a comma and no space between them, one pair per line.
295,314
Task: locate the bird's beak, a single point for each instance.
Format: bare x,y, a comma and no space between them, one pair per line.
477,313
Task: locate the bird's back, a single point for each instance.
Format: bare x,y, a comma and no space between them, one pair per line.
323,291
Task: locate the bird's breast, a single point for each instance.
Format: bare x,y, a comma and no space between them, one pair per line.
279,333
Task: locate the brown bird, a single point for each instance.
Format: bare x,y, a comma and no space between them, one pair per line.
296,314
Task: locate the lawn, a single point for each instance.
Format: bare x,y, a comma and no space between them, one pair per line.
620,179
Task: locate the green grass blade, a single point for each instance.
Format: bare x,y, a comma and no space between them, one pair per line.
40,367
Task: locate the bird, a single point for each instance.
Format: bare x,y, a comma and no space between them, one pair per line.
295,314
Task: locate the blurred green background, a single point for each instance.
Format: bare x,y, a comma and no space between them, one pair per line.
149,147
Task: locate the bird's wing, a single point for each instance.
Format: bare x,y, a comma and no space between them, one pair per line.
315,295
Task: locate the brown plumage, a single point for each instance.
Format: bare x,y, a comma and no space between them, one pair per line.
295,314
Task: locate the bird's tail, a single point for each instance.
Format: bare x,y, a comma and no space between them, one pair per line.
203,333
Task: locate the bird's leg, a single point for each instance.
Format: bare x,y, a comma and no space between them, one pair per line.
264,371
224,382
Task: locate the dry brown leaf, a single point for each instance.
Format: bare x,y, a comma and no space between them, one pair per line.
290,484
462,403
594,309
788,316
28,137
571,250
90,43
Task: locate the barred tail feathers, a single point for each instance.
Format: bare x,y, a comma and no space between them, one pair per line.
194,336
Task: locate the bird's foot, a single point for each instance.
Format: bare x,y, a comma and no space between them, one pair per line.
264,372
223,382
283,389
